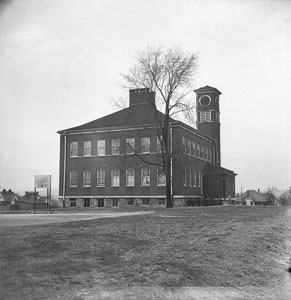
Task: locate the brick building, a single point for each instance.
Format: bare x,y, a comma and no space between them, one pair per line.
113,161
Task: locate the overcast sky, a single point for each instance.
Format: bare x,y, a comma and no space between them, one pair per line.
60,64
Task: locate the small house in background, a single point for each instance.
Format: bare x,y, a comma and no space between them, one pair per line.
8,199
27,201
252,197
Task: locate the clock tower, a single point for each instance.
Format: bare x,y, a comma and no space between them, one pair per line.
208,120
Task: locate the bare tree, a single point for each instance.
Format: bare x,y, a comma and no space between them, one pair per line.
169,73
270,195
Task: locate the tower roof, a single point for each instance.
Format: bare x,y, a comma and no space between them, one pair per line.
207,88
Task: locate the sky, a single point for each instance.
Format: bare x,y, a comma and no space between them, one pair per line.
61,63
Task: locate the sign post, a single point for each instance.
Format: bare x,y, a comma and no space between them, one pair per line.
40,182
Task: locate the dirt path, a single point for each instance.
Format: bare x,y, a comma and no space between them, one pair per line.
13,220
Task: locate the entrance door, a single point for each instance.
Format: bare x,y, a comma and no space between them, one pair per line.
114,202
86,202
100,202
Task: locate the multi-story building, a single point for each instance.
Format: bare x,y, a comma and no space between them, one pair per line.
114,161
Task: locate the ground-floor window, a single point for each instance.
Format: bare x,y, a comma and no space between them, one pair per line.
129,201
86,202
73,202
114,202
100,202
145,201
161,201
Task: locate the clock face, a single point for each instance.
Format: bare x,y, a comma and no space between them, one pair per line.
205,100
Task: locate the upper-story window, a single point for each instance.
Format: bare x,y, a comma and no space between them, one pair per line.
202,152
199,179
198,150
189,147
184,144
130,145
101,147
190,178
73,178
205,116
145,145
145,176
130,177
161,177
185,177
87,148
115,177
86,178
100,177
193,148
74,149
206,153
115,146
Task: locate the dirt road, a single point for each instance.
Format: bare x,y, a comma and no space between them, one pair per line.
13,220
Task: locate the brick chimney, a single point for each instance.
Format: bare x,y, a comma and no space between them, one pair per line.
141,96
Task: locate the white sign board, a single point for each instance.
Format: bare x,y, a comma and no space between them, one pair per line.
42,181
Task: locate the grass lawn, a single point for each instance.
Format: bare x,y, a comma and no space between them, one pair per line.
177,253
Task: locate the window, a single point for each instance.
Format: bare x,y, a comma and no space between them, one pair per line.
206,153
73,202
100,177
214,116
205,116
74,149
130,145
202,152
145,145
190,178
145,176
198,150
185,176
73,178
130,177
115,146
161,201
199,179
115,176
129,201
159,145
87,148
101,147
87,178
184,145
194,178
189,147
145,201
193,148
114,202
161,177
210,154
86,202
